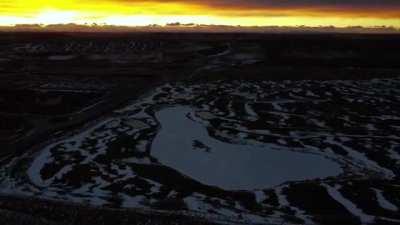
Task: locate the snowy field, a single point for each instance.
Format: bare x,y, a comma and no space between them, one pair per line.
237,151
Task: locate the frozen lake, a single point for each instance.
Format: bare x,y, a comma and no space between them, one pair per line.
184,144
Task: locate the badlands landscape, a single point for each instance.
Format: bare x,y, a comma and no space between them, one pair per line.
150,128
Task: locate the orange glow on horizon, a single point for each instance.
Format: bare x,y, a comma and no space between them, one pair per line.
139,13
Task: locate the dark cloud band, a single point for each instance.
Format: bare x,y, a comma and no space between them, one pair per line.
287,3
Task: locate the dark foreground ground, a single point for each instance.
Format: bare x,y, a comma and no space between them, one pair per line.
54,84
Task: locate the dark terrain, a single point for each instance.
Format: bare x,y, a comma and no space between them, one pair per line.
55,85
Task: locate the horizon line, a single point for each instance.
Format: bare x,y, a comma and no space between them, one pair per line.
74,27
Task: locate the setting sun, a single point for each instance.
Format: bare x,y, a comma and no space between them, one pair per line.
253,13
55,17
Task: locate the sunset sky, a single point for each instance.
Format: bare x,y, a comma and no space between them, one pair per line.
339,13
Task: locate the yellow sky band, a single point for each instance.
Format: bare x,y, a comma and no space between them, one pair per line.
146,12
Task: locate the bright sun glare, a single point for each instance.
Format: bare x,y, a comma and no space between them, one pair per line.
55,17
40,12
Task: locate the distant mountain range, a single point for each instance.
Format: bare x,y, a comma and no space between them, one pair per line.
178,27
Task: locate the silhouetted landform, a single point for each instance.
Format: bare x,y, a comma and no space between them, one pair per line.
178,27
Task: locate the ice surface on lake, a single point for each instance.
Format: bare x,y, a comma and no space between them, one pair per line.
185,145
